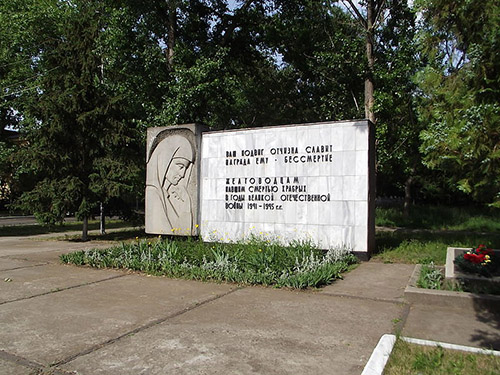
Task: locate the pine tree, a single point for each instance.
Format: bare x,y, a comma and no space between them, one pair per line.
80,145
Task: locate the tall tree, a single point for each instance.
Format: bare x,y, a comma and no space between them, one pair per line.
79,141
399,164
320,51
369,14
461,87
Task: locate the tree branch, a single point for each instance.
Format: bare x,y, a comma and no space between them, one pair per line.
233,25
378,11
356,14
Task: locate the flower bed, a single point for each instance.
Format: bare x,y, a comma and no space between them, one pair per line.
448,293
476,268
254,261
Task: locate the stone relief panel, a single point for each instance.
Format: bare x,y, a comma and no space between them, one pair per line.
171,181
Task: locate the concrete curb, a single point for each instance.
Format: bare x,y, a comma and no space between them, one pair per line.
380,356
446,298
381,353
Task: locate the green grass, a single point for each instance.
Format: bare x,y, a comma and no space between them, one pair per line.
424,235
477,219
34,229
406,246
411,359
256,261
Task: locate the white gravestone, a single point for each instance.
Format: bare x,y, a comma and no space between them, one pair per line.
295,182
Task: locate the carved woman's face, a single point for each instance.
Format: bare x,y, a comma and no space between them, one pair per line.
177,170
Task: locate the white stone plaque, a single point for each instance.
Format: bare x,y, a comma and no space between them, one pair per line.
310,181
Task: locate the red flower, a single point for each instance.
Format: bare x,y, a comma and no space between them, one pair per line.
482,249
474,258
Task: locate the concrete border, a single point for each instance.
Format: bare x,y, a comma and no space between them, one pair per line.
446,298
381,353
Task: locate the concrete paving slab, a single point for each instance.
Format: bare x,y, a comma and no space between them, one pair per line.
12,264
37,249
374,280
253,331
12,368
478,326
53,327
24,246
31,281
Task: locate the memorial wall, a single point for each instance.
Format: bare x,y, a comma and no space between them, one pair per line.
294,182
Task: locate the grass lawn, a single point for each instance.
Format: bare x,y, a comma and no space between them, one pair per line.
34,229
476,219
425,235
412,359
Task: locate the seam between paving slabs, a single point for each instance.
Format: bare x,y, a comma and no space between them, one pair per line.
63,289
404,317
26,363
343,295
39,368
142,328
20,360
22,267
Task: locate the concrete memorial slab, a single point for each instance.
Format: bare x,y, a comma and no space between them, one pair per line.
294,182
172,168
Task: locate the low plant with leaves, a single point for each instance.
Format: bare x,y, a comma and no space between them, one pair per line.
430,277
254,261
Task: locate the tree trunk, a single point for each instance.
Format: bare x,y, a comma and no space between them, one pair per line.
369,85
102,220
85,230
408,196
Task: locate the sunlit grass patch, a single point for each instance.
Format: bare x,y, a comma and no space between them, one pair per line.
403,246
35,229
254,261
483,219
407,358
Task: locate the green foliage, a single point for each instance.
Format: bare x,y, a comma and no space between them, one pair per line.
322,59
399,165
430,277
82,80
255,261
461,90
79,143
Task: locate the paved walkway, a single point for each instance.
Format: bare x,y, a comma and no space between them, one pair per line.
61,319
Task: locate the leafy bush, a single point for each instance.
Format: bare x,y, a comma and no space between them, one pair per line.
254,261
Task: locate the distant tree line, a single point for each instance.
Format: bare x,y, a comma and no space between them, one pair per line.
81,80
